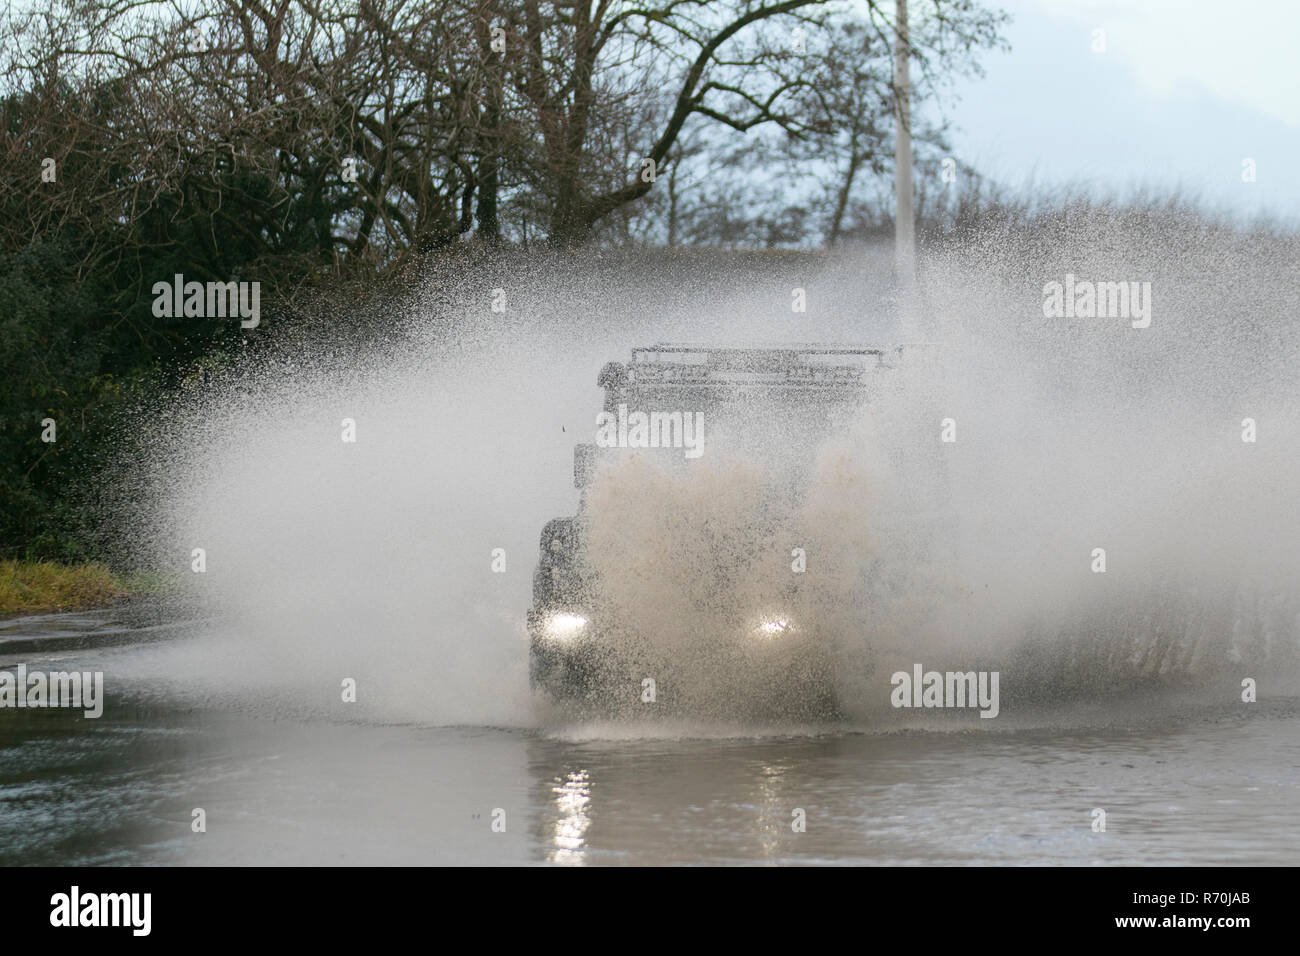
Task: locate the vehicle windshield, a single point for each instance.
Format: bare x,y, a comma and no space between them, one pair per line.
779,428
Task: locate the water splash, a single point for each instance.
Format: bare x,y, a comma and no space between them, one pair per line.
372,560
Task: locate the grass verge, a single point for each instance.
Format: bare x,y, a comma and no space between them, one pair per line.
34,586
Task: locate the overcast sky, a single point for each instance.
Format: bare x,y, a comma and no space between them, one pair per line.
1184,92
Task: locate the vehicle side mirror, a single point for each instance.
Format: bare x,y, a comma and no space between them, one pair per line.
612,375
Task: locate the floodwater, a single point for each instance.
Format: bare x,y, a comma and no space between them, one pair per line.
1181,782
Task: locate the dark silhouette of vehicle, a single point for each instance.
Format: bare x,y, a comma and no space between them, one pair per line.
774,407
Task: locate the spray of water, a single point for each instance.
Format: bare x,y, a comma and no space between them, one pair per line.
373,559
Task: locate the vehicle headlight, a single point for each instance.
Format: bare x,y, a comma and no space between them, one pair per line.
773,626
564,627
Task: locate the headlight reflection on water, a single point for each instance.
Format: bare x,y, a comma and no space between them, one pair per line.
572,798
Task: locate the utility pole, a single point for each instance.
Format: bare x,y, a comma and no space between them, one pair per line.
904,224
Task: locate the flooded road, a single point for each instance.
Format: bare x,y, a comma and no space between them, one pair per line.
283,784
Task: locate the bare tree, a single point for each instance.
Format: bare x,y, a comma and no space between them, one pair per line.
336,135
